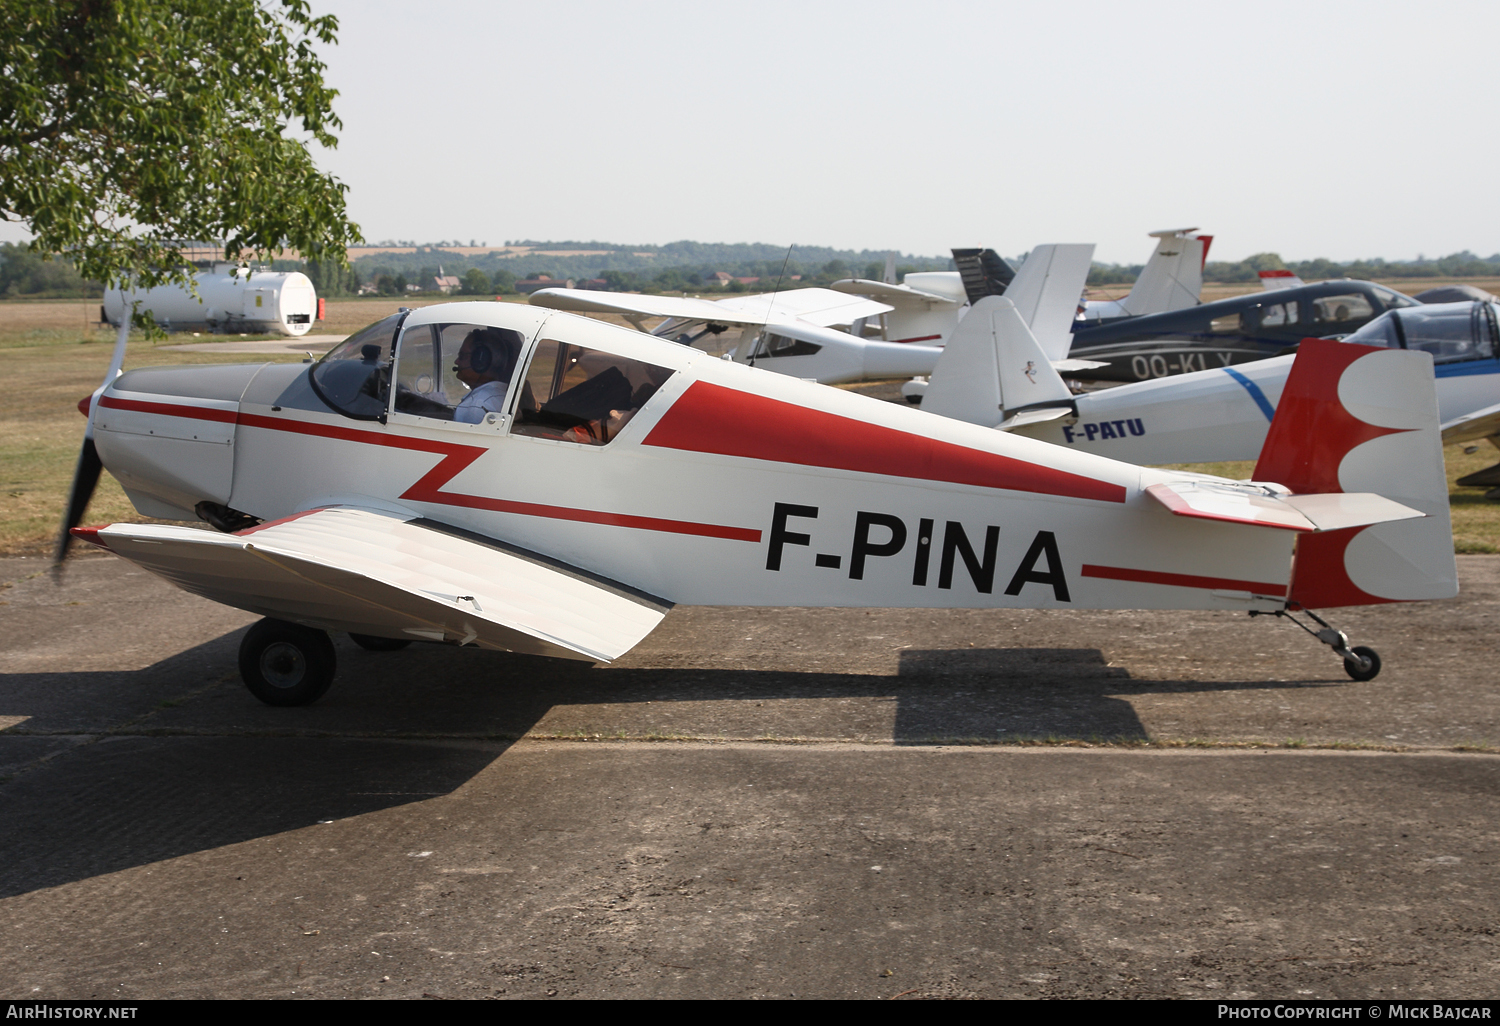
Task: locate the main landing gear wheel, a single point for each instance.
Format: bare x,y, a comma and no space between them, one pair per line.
370,643
1371,663
287,664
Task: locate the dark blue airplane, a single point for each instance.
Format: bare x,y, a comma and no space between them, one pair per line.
1230,331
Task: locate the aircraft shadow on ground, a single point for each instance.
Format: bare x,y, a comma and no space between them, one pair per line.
218,768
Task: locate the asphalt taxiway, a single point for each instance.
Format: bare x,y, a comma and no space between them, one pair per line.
819,803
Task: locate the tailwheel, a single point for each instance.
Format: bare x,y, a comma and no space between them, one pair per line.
1360,662
1365,666
286,663
371,643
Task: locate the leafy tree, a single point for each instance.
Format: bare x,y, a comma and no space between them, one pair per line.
128,126
399,285
504,281
476,283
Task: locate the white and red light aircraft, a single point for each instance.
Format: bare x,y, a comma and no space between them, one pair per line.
609,474
994,373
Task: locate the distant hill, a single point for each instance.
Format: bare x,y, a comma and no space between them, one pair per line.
528,258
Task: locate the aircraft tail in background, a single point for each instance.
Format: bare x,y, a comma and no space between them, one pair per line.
993,372
984,272
1046,291
1171,280
1283,279
1360,419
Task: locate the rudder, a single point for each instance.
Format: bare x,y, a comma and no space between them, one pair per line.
1356,418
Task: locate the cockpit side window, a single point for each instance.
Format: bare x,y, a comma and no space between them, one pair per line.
456,372
1392,299
574,394
1340,313
771,345
354,377
1278,315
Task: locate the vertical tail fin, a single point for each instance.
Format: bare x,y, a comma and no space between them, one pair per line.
1360,419
984,272
1173,277
992,364
1046,290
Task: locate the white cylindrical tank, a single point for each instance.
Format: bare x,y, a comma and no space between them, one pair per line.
230,299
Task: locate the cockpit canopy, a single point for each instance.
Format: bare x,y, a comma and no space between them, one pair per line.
1449,331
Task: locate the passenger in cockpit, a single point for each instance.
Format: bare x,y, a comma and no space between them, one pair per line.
484,364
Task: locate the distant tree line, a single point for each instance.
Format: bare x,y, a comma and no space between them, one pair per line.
1456,265
26,273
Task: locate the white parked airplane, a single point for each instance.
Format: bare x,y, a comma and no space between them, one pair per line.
610,474
1206,416
790,332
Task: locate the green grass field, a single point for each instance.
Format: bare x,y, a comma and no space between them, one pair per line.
52,355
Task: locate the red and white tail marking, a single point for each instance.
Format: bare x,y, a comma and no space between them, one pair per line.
1360,419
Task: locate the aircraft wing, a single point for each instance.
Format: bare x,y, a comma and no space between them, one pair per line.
896,295
822,307
372,572
1479,424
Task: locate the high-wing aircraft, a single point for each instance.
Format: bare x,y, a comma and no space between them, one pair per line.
1205,416
788,332
506,477
1228,332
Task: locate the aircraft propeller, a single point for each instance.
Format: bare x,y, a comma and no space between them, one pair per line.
86,472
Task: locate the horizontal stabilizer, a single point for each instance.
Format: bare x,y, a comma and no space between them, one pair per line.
1072,366
390,575
1483,423
1041,416
1261,506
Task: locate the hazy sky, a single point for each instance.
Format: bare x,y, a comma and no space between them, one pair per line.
1306,128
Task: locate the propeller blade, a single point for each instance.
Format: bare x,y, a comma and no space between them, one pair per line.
85,479
86,473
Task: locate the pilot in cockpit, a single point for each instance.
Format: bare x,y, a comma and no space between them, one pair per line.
484,364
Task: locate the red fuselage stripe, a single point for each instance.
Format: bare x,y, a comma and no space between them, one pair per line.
924,338
721,421
1120,573
429,487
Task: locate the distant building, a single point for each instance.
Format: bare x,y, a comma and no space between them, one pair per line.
594,284
722,277
543,281
444,283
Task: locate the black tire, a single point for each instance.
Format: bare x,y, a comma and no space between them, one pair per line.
1351,667
370,643
287,664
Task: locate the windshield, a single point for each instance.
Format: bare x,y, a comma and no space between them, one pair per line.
354,376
